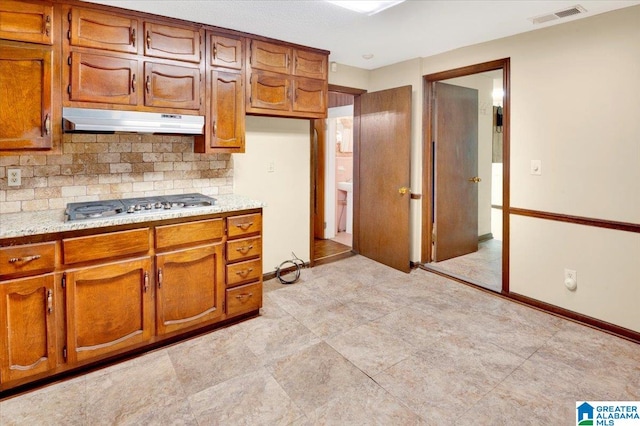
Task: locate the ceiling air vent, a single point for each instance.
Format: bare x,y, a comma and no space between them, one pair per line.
575,10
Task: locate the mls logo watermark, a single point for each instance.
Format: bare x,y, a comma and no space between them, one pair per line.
608,413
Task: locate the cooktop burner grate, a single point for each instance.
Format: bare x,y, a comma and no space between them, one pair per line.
108,208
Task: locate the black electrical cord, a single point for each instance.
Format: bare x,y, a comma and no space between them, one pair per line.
293,264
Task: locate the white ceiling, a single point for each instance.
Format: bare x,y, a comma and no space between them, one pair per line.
416,28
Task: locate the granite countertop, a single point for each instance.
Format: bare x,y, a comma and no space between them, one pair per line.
24,224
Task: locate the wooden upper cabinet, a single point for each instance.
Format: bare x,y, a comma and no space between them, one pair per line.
310,64
102,30
26,85
226,117
169,42
310,95
226,51
270,57
171,86
30,22
103,79
270,91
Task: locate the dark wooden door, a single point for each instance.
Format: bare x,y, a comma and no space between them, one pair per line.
382,172
455,123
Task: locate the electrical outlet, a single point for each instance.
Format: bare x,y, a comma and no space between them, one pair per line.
570,279
271,166
14,176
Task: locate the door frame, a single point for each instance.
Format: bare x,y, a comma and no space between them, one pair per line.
317,178
427,157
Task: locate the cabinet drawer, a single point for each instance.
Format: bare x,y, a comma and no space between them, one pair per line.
243,272
244,249
27,259
244,225
244,299
189,233
104,246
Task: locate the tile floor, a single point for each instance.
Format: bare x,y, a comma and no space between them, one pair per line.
483,267
357,343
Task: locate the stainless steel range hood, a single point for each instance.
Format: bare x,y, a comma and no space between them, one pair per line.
103,120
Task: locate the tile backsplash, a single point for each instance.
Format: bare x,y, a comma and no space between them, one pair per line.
102,166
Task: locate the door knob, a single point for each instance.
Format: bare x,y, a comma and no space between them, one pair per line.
403,190
475,179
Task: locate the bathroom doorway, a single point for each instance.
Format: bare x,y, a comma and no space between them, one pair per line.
332,168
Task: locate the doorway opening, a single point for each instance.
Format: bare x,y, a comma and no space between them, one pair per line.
466,164
332,178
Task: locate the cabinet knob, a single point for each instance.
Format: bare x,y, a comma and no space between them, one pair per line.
475,179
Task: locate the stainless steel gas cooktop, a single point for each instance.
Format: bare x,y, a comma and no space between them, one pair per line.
136,206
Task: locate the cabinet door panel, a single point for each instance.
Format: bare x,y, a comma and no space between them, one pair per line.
30,22
270,91
227,110
26,101
163,41
108,308
27,327
270,57
100,30
190,287
310,64
103,79
310,95
172,86
226,51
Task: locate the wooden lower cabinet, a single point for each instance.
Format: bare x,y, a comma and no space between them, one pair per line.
27,327
109,308
190,287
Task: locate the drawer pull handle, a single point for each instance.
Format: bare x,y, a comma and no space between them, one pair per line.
24,259
148,84
146,281
244,249
47,25
245,272
244,226
133,37
148,40
159,277
133,83
49,301
244,295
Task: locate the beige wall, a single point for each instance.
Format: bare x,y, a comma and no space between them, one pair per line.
572,109
574,106
286,220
